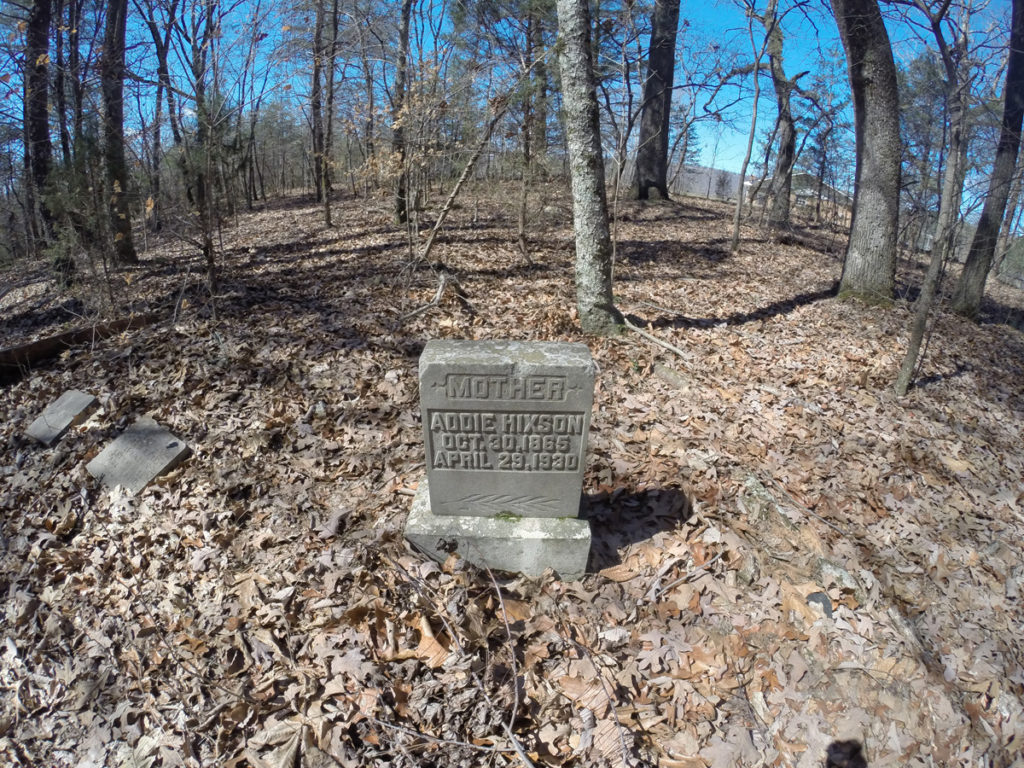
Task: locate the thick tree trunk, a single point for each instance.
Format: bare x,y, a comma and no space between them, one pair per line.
594,301
112,87
398,115
38,149
967,298
652,152
869,270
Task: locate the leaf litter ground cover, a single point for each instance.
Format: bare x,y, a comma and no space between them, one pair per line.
785,557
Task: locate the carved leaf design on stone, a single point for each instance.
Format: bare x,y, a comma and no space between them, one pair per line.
497,504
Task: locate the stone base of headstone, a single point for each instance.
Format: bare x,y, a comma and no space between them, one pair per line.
67,411
527,545
141,454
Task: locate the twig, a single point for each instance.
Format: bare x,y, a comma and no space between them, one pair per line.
682,579
430,304
512,655
434,739
501,106
656,340
515,678
420,586
620,728
811,512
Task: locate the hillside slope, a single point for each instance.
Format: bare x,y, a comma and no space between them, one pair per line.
259,607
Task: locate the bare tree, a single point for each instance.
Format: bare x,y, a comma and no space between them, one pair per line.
785,158
957,93
967,298
325,54
756,69
594,300
161,35
398,115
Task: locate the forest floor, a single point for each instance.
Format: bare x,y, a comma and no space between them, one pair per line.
259,607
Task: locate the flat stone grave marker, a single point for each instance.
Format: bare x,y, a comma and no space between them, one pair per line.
138,456
505,434
67,411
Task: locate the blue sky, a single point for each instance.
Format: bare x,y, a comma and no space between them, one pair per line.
805,35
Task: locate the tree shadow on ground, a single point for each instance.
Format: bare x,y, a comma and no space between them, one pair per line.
816,237
664,210
520,269
42,316
709,253
624,517
993,312
776,308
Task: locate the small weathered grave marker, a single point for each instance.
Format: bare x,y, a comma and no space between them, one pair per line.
138,456
67,411
505,433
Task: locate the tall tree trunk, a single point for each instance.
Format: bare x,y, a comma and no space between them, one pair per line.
652,152
369,144
1012,216
328,131
398,115
782,179
539,89
316,102
967,298
112,87
75,71
161,45
528,125
60,86
957,96
594,300
153,208
38,150
953,182
869,270
734,245
202,167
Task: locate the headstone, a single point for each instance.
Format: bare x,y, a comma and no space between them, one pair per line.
138,456
505,433
67,411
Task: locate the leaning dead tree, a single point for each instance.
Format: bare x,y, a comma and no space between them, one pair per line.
445,277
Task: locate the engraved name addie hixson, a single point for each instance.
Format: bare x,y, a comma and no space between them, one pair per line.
505,426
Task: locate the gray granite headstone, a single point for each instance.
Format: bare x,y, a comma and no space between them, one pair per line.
505,426
505,433
68,410
138,456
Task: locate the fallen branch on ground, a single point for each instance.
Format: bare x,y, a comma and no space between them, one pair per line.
16,361
445,277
